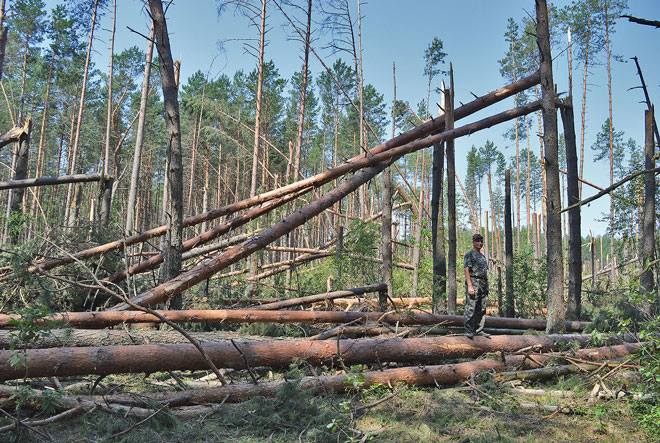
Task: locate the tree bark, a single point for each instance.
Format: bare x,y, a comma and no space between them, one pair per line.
102,319
611,120
555,295
509,308
48,181
451,198
174,236
70,209
301,301
272,353
437,225
386,225
257,116
139,138
20,173
417,246
106,199
583,127
42,140
529,183
3,36
574,307
647,253
303,93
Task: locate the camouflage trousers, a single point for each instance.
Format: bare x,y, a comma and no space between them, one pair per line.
475,310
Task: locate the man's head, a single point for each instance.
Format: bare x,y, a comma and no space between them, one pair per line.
477,241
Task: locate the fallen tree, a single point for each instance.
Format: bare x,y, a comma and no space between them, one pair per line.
242,354
423,130
109,318
53,180
56,338
380,161
203,238
436,375
309,299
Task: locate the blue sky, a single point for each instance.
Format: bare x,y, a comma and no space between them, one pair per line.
399,31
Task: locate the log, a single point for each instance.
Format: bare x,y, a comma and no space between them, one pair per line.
611,188
436,375
380,161
256,315
406,302
203,238
241,354
422,130
373,330
541,373
216,246
309,299
56,338
642,21
52,180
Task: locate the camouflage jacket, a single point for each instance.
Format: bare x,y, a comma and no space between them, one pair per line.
477,263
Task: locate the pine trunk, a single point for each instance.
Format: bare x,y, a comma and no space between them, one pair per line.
139,138
174,237
555,295
509,310
451,198
648,230
71,205
574,306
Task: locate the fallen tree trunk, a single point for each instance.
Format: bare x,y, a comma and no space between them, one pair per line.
56,338
437,375
205,237
52,180
380,161
309,299
202,250
415,331
256,315
405,302
426,128
541,373
241,354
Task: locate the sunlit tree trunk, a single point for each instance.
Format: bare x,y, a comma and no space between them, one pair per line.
71,202
174,237
139,138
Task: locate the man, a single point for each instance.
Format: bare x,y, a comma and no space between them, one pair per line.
476,287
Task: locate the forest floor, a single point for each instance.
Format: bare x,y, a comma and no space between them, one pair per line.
480,411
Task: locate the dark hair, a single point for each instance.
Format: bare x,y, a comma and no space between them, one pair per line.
477,237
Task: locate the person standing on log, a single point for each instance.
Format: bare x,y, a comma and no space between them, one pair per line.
476,288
